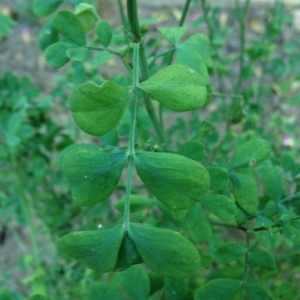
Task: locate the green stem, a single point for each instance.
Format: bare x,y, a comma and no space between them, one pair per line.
290,198
124,20
25,204
132,13
137,38
242,14
285,200
132,133
102,49
180,24
246,266
164,53
184,12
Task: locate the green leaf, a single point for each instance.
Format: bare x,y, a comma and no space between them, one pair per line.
219,179
175,180
104,33
177,87
270,236
56,55
95,249
271,178
195,53
220,205
103,291
257,292
229,252
69,26
6,295
225,289
128,255
245,191
77,54
176,289
137,203
93,174
44,8
134,283
192,149
86,15
101,58
295,223
6,23
250,153
48,35
164,251
172,34
197,224
98,109
263,259
36,297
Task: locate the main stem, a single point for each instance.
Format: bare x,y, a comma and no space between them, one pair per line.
132,133
242,15
137,38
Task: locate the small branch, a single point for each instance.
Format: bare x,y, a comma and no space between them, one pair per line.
103,49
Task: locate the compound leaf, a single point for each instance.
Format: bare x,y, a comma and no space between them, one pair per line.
177,87
175,180
95,249
165,251
69,26
98,109
93,174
